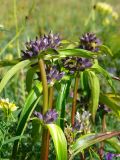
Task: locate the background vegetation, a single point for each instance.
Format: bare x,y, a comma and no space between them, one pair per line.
22,20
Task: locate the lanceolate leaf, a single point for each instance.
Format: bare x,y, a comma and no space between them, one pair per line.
52,53
112,104
114,97
12,72
115,143
95,91
61,102
32,97
84,82
5,63
59,140
102,71
105,49
76,52
88,140
30,104
13,139
29,78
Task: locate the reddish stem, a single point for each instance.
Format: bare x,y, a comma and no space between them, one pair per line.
74,101
45,144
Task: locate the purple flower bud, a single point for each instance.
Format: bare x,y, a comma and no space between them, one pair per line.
50,116
73,64
33,48
77,125
90,42
38,115
53,74
109,156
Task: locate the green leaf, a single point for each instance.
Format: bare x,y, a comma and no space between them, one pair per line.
114,97
76,52
13,139
112,104
59,140
84,80
106,74
106,49
5,63
88,140
30,104
115,143
36,130
55,54
13,71
95,91
61,102
29,78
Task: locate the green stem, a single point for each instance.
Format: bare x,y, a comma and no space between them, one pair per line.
45,133
51,97
74,101
101,152
93,17
16,26
45,86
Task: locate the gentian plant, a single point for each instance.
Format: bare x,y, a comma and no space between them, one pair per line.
64,95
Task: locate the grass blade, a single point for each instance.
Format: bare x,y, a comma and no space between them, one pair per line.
12,72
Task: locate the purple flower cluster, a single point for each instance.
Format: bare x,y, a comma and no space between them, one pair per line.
73,64
53,74
90,42
49,117
33,48
82,122
110,156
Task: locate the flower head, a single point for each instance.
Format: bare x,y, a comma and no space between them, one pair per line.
53,74
104,8
82,122
90,42
73,64
115,15
43,43
49,117
69,134
110,156
39,115
7,106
